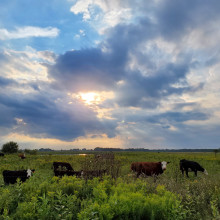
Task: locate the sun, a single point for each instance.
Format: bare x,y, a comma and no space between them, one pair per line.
90,98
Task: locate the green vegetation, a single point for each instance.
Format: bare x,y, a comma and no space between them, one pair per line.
170,196
10,147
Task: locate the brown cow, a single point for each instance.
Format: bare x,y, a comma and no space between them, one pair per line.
149,168
22,156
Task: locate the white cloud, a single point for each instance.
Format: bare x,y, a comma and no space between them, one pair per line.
102,14
25,67
82,7
28,31
80,34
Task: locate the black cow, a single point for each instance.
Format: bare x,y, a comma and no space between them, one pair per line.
187,165
11,176
2,155
62,166
61,173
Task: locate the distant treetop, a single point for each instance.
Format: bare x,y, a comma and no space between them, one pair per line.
10,147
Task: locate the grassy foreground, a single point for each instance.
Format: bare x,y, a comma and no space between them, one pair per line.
170,196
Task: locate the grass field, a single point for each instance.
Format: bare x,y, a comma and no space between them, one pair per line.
170,196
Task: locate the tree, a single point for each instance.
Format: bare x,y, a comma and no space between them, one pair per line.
32,152
10,147
216,151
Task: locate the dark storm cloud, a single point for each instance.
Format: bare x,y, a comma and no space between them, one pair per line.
93,69
88,69
6,82
144,85
176,18
98,69
43,118
166,119
6,121
138,87
178,117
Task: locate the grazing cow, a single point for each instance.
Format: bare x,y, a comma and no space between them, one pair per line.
61,173
12,176
149,168
187,165
22,156
2,155
62,166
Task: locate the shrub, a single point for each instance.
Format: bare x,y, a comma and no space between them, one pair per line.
10,147
128,203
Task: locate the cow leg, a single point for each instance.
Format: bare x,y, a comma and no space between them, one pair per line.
187,173
195,171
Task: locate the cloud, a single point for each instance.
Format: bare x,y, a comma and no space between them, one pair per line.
158,59
85,70
43,117
45,113
28,31
102,14
104,67
6,82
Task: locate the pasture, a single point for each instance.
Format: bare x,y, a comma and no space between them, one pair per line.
168,196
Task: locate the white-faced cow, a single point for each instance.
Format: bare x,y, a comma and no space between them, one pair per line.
11,176
187,165
149,168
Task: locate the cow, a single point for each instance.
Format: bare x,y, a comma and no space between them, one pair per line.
149,168
11,176
187,165
61,173
62,166
2,155
22,156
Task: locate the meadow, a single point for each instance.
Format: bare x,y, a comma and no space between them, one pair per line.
120,196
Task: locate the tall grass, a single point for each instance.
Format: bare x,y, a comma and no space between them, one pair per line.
169,196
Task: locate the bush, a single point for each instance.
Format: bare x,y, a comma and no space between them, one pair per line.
124,201
31,152
10,147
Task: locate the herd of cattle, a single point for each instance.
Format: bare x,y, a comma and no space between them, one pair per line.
156,168
140,168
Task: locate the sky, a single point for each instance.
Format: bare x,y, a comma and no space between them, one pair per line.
119,73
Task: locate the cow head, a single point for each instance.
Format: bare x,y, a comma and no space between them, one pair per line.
164,165
205,172
29,172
